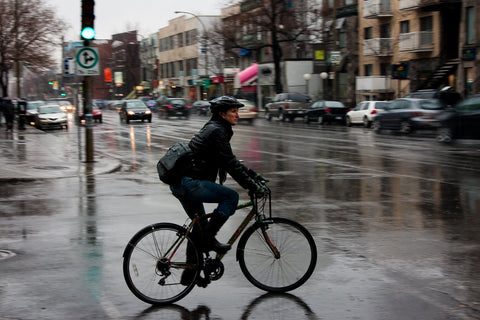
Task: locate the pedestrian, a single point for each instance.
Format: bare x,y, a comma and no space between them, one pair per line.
212,157
8,113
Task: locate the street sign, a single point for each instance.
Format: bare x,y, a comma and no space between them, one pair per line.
68,67
87,61
335,57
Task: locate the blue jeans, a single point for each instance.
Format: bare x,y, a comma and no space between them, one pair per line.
194,193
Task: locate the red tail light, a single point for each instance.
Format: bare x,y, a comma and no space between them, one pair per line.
327,110
254,109
287,106
187,106
169,106
373,111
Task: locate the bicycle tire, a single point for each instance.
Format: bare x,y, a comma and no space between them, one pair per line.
298,255
142,267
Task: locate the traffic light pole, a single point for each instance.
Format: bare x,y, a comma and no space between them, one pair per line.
87,111
88,33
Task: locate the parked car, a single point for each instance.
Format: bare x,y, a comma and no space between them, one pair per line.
201,107
134,109
249,112
365,112
51,116
323,111
408,114
288,106
460,122
32,110
174,107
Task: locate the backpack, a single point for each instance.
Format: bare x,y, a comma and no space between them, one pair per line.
175,163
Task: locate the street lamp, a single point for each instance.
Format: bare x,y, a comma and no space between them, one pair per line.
307,77
324,76
204,37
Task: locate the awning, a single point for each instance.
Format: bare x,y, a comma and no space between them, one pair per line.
248,74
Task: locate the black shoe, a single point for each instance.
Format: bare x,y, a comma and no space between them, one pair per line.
216,222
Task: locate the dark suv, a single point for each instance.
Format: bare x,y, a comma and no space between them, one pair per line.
172,107
288,106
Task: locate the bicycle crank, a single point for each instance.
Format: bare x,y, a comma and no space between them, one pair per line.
214,269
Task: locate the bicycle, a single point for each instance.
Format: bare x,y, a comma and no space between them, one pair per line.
275,254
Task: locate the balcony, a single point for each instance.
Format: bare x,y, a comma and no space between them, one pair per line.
374,84
377,47
373,9
437,4
419,41
408,4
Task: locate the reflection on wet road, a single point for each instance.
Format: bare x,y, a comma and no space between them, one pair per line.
395,219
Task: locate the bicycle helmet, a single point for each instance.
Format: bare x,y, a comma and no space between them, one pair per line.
223,103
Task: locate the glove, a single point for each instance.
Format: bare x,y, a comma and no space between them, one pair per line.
260,192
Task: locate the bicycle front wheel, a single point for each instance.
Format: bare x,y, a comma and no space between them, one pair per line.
277,254
154,260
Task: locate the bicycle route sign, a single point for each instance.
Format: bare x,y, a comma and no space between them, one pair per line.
87,62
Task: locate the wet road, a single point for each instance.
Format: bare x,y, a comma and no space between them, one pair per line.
395,220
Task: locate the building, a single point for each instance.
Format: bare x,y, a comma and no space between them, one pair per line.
186,59
149,64
408,45
125,65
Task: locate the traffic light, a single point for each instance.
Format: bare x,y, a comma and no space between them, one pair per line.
88,18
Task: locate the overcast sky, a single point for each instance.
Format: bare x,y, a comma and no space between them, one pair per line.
115,16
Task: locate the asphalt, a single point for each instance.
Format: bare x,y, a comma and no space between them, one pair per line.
33,154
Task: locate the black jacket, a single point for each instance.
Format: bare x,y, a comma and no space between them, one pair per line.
213,154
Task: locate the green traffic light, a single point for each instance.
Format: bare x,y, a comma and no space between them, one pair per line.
88,33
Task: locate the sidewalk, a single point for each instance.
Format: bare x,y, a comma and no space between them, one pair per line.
33,154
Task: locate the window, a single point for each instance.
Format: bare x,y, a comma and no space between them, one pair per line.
470,25
180,40
367,33
426,28
405,26
368,68
385,69
385,30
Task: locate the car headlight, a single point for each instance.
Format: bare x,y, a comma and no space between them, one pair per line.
131,113
148,112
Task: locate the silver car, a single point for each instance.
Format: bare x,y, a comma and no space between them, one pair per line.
51,116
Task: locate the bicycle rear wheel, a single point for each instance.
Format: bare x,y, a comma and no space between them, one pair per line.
151,272
287,271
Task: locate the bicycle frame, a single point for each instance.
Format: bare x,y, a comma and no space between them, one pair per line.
249,217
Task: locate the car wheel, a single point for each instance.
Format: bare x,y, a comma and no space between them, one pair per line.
127,120
306,119
445,135
100,120
405,127
366,123
377,126
348,121
150,120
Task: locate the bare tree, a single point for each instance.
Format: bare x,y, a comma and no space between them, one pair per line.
29,34
275,24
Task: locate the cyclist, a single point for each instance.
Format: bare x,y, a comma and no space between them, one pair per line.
212,157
